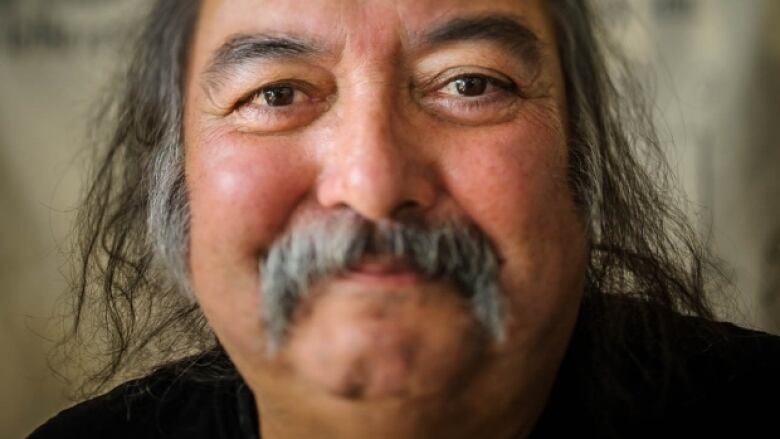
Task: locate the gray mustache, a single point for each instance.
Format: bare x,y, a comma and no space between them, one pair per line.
312,250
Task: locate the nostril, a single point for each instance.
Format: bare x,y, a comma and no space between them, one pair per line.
406,208
407,205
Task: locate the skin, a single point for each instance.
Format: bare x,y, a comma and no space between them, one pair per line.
381,352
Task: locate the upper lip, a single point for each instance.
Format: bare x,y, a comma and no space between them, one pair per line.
382,265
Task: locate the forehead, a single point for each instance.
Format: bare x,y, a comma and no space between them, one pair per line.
368,26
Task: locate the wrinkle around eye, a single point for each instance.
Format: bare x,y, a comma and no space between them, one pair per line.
473,113
493,87
224,96
497,103
265,119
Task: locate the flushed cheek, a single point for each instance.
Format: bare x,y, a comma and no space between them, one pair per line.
513,184
242,191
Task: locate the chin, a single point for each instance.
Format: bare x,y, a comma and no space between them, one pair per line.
397,343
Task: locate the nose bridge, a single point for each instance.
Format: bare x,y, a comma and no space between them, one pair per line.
372,150
369,165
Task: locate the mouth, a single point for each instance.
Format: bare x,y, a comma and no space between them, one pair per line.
382,271
378,263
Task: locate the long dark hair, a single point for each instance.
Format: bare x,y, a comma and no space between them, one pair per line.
133,223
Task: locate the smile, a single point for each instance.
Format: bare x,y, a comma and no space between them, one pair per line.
382,272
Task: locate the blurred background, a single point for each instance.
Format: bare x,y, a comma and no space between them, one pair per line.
714,71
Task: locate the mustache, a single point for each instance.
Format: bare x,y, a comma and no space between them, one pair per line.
452,250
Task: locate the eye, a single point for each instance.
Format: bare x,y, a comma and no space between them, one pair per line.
472,96
278,95
472,86
275,95
279,106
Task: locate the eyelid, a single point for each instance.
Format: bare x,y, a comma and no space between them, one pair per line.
251,115
442,79
297,85
506,86
498,104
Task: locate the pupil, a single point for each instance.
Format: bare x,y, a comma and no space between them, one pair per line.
279,96
471,86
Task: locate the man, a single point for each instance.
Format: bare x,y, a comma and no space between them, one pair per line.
399,219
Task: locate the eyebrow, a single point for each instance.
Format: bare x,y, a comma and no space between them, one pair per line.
505,30
243,49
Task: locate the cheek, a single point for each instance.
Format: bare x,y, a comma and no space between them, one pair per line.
512,181
241,191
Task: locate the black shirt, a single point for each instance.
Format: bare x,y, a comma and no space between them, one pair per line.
732,389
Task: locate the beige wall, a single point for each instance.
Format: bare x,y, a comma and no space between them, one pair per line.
55,58
716,67
716,64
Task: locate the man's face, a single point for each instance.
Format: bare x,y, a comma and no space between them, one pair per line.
386,112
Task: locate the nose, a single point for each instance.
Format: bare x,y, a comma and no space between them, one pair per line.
373,166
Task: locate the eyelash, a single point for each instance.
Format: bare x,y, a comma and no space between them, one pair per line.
490,106
505,85
257,93
506,88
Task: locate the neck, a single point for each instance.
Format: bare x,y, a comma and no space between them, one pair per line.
391,421
397,418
